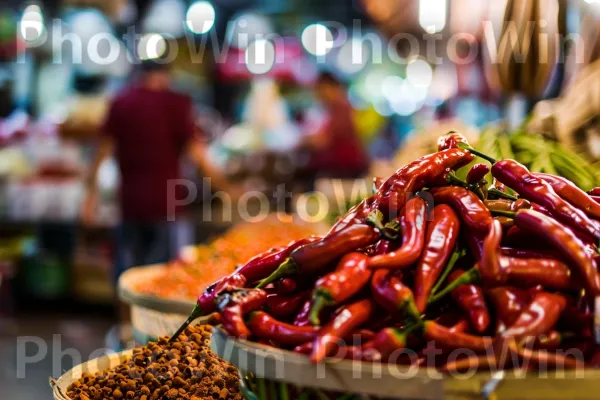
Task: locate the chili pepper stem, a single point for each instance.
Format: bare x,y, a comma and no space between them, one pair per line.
452,179
465,146
287,268
470,276
195,314
456,255
501,194
411,311
319,302
501,213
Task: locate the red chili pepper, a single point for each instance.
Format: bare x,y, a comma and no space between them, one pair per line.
411,178
205,304
474,241
450,141
265,327
507,205
302,317
508,303
571,193
538,318
233,306
564,240
377,182
315,256
442,234
285,306
547,359
347,319
477,173
539,191
497,269
356,215
594,192
382,247
466,203
385,343
364,336
471,300
394,296
454,340
412,223
286,286
350,276
528,253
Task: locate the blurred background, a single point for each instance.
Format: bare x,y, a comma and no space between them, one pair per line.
292,93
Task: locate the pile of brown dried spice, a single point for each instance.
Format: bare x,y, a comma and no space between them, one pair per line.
185,369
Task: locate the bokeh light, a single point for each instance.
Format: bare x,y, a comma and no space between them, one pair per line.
419,73
317,39
32,23
260,56
200,17
151,46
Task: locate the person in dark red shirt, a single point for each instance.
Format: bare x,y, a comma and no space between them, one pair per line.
338,151
149,129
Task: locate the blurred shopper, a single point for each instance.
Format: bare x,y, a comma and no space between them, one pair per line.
149,129
337,149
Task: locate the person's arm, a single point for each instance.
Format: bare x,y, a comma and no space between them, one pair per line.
197,151
90,202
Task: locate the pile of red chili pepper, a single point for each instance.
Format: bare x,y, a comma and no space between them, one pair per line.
504,272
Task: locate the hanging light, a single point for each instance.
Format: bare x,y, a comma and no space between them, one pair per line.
32,23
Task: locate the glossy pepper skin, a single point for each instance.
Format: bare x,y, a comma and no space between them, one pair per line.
350,276
441,237
507,205
285,306
538,317
477,173
315,256
473,212
302,317
382,346
233,306
286,286
497,269
470,299
263,265
536,190
508,303
412,222
347,319
356,215
392,294
206,302
571,193
446,339
565,241
264,326
411,178
450,141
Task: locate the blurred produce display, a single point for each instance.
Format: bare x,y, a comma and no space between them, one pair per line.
199,266
510,266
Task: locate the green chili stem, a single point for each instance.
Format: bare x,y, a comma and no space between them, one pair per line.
465,146
502,213
411,311
320,301
196,313
501,194
471,276
287,268
457,254
453,179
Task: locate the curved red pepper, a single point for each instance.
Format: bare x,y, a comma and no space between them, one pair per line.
507,205
285,306
265,327
350,276
535,189
384,344
571,193
477,173
538,317
450,141
471,300
356,215
302,317
466,203
508,303
441,237
394,296
315,256
565,241
286,286
412,223
449,340
348,319
233,306
411,178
